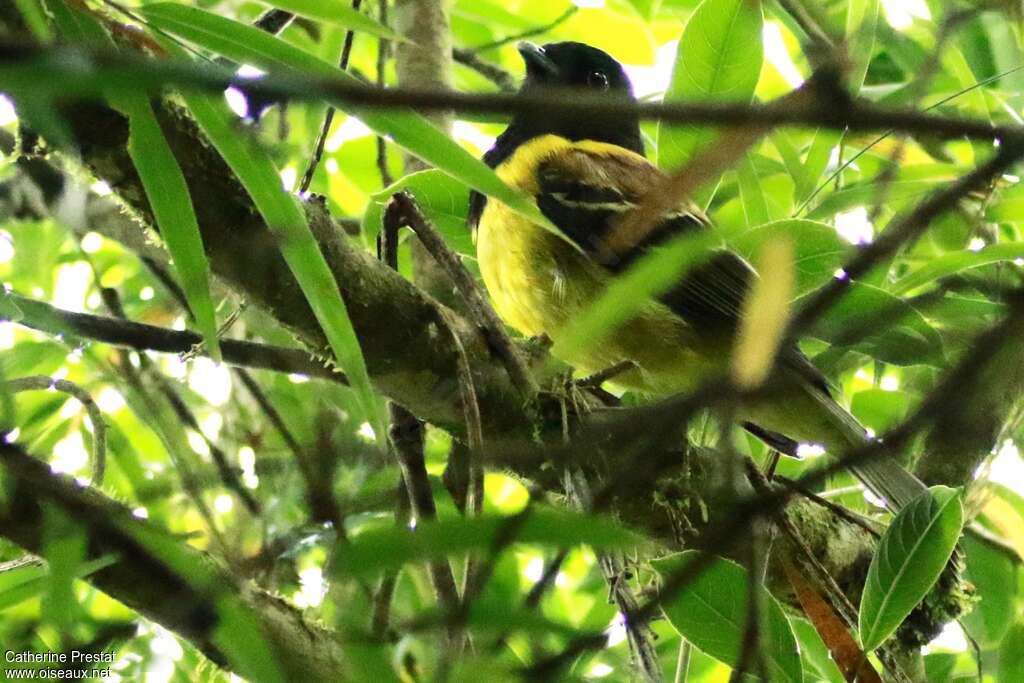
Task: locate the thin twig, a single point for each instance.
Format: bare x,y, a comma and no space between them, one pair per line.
505,81
101,66
99,427
41,316
529,33
383,53
638,631
321,139
486,318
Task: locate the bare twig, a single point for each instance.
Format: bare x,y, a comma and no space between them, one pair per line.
383,53
99,427
539,30
142,337
82,72
318,151
407,210
492,72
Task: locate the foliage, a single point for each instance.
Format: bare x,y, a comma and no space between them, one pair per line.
288,481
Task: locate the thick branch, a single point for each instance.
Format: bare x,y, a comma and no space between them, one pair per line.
147,583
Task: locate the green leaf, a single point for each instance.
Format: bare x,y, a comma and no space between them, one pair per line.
172,207
247,45
911,556
711,613
719,59
35,20
443,199
861,22
1011,653
287,221
336,12
896,194
994,576
955,262
818,250
9,310
390,548
31,580
889,329
628,293
755,206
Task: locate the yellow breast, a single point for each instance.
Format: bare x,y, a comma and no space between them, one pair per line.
538,282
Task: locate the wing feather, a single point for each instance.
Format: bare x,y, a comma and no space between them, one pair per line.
585,192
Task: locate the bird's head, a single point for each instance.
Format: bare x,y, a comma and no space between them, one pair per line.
587,69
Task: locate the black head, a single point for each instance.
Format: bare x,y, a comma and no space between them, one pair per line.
557,66
574,65
586,69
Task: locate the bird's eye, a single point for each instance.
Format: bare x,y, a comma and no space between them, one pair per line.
597,79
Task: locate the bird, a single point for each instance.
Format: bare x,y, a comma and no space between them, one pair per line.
585,173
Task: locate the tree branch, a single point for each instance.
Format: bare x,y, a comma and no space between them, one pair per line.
144,579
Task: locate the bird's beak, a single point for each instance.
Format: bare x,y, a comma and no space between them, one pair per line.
537,61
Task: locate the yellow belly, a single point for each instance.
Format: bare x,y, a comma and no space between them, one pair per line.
538,282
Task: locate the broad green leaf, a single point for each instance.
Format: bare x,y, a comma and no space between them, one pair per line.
443,199
336,12
888,328
172,207
1011,653
711,613
911,556
879,409
409,130
994,576
955,262
391,547
719,59
286,219
818,251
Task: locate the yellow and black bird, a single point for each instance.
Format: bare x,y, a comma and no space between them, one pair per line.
585,174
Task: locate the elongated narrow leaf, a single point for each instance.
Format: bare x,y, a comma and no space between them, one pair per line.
298,246
755,204
711,613
719,59
861,22
911,555
34,18
411,131
955,262
632,291
391,547
337,12
169,197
